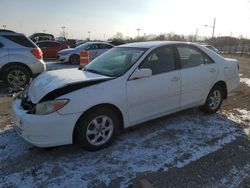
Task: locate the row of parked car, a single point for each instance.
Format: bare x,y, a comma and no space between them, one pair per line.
66,51
21,57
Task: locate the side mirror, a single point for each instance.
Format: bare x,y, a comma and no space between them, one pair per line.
141,73
1,45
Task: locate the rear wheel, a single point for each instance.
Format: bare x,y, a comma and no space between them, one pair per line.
214,100
97,129
74,59
16,76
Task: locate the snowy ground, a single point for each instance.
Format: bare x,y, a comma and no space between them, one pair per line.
169,142
176,141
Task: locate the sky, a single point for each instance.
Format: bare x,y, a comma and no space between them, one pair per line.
105,18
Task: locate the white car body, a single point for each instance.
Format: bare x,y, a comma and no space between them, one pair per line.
12,53
94,48
137,100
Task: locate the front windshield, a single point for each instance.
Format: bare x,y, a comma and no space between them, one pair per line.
115,62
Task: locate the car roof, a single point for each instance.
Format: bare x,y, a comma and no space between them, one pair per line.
98,43
52,41
151,44
9,32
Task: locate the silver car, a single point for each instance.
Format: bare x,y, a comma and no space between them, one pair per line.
72,55
20,59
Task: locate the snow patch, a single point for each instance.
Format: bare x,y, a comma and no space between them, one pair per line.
245,81
161,144
11,145
240,116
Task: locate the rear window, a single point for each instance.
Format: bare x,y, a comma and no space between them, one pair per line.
21,40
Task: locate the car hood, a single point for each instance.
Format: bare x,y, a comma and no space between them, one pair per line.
63,81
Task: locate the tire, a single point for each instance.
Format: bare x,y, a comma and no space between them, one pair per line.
213,101
74,59
97,129
16,76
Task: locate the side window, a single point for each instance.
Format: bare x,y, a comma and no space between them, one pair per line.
50,44
190,57
101,46
41,45
108,46
21,40
159,61
208,60
93,47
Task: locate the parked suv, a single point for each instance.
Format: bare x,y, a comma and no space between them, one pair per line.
20,59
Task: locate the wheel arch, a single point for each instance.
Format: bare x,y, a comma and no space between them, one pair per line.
74,54
15,64
223,86
103,105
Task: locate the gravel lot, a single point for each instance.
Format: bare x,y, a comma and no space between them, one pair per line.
186,149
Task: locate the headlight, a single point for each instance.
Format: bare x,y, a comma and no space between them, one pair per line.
48,107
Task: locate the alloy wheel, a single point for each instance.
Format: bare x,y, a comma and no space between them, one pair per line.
99,130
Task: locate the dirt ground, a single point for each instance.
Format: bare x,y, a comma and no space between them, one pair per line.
186,149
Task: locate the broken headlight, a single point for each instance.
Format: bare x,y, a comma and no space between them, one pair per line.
48,107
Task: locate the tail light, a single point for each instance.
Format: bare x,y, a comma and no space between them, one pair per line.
37,53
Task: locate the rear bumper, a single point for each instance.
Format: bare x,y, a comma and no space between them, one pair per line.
37,67
233,84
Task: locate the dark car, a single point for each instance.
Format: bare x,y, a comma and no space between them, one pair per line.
36,37
50,48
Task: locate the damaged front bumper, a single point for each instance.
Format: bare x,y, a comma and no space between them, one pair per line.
43,130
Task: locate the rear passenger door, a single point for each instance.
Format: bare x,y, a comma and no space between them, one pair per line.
198,72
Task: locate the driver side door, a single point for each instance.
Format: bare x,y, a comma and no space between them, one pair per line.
159,94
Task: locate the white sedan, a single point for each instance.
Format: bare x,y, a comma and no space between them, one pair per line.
127,85
72,55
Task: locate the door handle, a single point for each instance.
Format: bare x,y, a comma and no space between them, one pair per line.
175,79
212,70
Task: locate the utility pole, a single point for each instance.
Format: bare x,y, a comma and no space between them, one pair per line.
213,27
196,33
89,34
138,30
63,32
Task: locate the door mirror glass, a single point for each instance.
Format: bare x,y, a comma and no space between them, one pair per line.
141,73
1,45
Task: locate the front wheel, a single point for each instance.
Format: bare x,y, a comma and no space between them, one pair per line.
214,100
74,59
97,129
